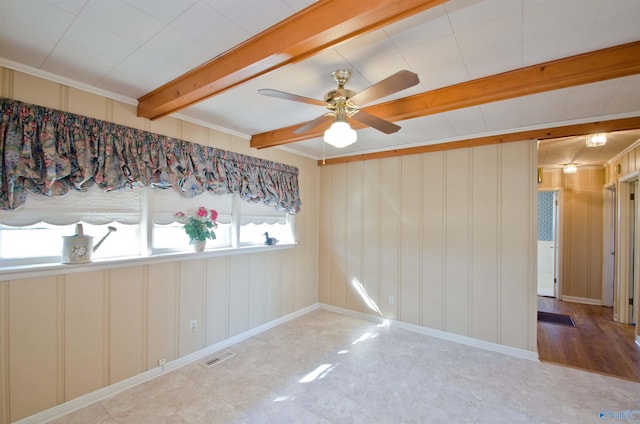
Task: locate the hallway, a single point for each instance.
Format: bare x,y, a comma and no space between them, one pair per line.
596,343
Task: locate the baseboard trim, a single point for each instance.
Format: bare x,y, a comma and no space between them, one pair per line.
584,300
105,392
469,341
638,340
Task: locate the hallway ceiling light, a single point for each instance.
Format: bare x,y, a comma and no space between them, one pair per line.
595,140
570,168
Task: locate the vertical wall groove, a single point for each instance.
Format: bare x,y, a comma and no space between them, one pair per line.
499,256
145,317
470,256
5,412
60,338
444,239
106,328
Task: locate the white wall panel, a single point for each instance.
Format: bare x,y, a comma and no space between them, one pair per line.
217,280
353,277
258,281
409,303
33,345
389,235
458,241
4,348
433,241
239,294
485,244
448,235
518,244
338,241
325,232
127,323
192,305
273,286
85,348
371,235
162,329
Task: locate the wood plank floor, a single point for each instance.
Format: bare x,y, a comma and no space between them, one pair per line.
596,343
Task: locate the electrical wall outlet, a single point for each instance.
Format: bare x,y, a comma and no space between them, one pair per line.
193,325
392,300
162,362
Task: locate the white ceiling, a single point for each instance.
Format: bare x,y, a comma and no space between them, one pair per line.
127,48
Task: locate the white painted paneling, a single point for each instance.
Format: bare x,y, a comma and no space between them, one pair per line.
433,244
33,352
371,235
338,240
192,304
85,350
126,323
485,244
448,235
4,352
353,277
217,280
390,235
457,227
411,240
518,243
162,330
325,237
238,294
258,280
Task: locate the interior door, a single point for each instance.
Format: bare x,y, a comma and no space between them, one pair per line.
546,244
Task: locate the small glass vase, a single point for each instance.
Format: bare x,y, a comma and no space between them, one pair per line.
199,245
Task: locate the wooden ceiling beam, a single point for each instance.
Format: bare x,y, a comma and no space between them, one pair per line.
614,62
613,125
315,28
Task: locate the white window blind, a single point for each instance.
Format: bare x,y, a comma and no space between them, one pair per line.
164,204
93,206
259,213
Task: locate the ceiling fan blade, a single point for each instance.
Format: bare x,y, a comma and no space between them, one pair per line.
396,82
320,120
288,96
375,122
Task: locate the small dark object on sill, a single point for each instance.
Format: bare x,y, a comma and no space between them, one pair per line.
269,240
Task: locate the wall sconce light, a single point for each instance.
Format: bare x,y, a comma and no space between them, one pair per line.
595,140
570,168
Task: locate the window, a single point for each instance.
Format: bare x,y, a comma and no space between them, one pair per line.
34,232
143,220
256,219
167,233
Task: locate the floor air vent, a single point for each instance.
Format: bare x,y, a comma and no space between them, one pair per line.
213,360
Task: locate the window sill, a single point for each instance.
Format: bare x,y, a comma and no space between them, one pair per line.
39,270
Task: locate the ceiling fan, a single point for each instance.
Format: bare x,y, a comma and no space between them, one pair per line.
343,103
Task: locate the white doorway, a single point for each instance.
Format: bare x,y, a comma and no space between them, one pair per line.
548,252
609,245
628,251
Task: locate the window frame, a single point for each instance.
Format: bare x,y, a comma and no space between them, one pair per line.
146,251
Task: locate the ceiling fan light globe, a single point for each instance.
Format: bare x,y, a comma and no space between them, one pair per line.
340,135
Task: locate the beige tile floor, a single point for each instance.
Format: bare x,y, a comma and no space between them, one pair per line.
329,368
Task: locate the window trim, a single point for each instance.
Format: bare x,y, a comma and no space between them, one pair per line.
49,269
31,266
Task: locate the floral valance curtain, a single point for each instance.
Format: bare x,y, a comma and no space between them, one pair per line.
50,152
